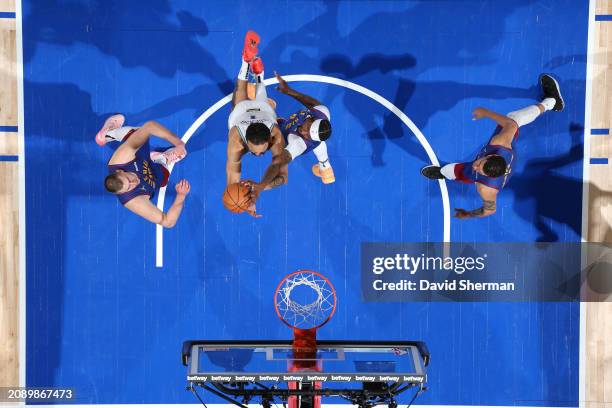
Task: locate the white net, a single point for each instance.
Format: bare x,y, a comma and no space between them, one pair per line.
305,300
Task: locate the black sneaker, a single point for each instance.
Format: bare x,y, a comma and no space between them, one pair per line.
550,88
432,172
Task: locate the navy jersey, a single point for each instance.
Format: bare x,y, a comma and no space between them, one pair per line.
296,144
152,176
465,173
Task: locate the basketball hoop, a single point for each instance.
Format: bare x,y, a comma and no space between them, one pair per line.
305,300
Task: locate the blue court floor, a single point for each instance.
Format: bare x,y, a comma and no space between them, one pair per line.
103,319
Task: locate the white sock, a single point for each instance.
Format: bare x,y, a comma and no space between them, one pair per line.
526,115
448,171
243,74
159,158
260,89
321,152
259,77
548,103
119,133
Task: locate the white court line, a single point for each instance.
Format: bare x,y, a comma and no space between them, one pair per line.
22,215
328,80
585,199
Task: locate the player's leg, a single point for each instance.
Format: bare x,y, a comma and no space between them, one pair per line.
435,172
257,68
323,169
551,100
251,41
115,135
450,171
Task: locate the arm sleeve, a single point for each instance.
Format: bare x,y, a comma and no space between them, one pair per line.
295,146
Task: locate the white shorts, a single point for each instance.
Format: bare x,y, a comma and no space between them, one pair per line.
261,110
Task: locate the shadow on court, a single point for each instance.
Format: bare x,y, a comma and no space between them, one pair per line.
540,188
153,36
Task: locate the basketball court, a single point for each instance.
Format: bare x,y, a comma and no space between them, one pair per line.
103,302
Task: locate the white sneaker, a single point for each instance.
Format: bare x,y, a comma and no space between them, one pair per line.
112,123
167,158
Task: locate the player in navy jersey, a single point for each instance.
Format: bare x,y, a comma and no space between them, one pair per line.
492,167
307,130
136,174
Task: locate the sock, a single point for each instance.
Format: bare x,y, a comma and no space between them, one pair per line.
119,134
321,152
243,74
448,171
260,89
548,103
526,115
158,157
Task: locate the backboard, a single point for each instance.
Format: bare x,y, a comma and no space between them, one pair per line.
366,372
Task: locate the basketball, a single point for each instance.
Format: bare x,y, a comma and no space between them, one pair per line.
236,198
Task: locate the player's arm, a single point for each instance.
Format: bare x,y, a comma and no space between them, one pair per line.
489,206
306,100
235,151
277,172
142,206
509,126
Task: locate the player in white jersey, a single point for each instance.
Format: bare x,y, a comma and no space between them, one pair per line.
252,123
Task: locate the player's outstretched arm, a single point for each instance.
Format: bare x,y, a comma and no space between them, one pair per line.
142,206
277,172
489,198
306,100
235,151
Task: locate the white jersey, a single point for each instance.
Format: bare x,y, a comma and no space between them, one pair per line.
247,112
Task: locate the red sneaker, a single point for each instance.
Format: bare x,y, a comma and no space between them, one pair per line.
251,41
257,66
112,123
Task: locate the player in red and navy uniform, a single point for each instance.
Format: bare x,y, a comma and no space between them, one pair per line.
491,168
136,174
307,130
304,131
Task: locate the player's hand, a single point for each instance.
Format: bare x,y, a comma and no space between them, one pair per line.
252,211
181,149
462,214
250,185
247,183
253,191
282,84
479,113
182,187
